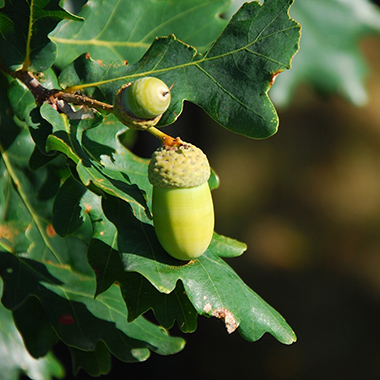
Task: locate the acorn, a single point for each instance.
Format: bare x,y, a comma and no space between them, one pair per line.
183,211
140,104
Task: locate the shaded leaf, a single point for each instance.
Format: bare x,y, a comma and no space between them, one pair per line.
78,319
15,359
22,101
141,296
24,29
121,30
66,210
230,81
26,110
102,251
67,139
33,323
55,272
95,363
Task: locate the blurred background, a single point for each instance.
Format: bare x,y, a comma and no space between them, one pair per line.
307,203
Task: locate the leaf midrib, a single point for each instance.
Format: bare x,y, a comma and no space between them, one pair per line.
196,63
23,194
27,61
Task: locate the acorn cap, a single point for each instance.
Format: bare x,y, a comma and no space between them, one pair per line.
128,118
179,166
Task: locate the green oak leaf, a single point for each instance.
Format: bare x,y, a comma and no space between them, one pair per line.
139,295
330,59
39,339
65,136
119,30
102,164
22,101
24,29
95,363
67,217
102,143
230,81
213,288
77,318
56,274
15,359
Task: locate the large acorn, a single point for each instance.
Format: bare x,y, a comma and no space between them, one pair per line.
183,212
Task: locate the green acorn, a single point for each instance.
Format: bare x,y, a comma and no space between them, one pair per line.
140,104
183,212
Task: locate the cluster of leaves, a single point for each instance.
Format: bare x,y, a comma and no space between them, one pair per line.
79,258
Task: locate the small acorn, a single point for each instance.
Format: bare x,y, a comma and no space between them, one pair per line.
183,212
140,104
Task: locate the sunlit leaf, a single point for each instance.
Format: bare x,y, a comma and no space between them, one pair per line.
122,30
230,81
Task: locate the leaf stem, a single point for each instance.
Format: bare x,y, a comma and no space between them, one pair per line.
43,94
165,138
83,100
40,93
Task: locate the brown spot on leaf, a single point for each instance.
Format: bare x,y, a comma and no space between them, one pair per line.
274,76
224,314
50,230
88,56
207,308
7,233
88,208
227,317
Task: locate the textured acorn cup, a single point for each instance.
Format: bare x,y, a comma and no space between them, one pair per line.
140,104
183,212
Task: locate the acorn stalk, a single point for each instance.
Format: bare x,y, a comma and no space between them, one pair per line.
183,212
